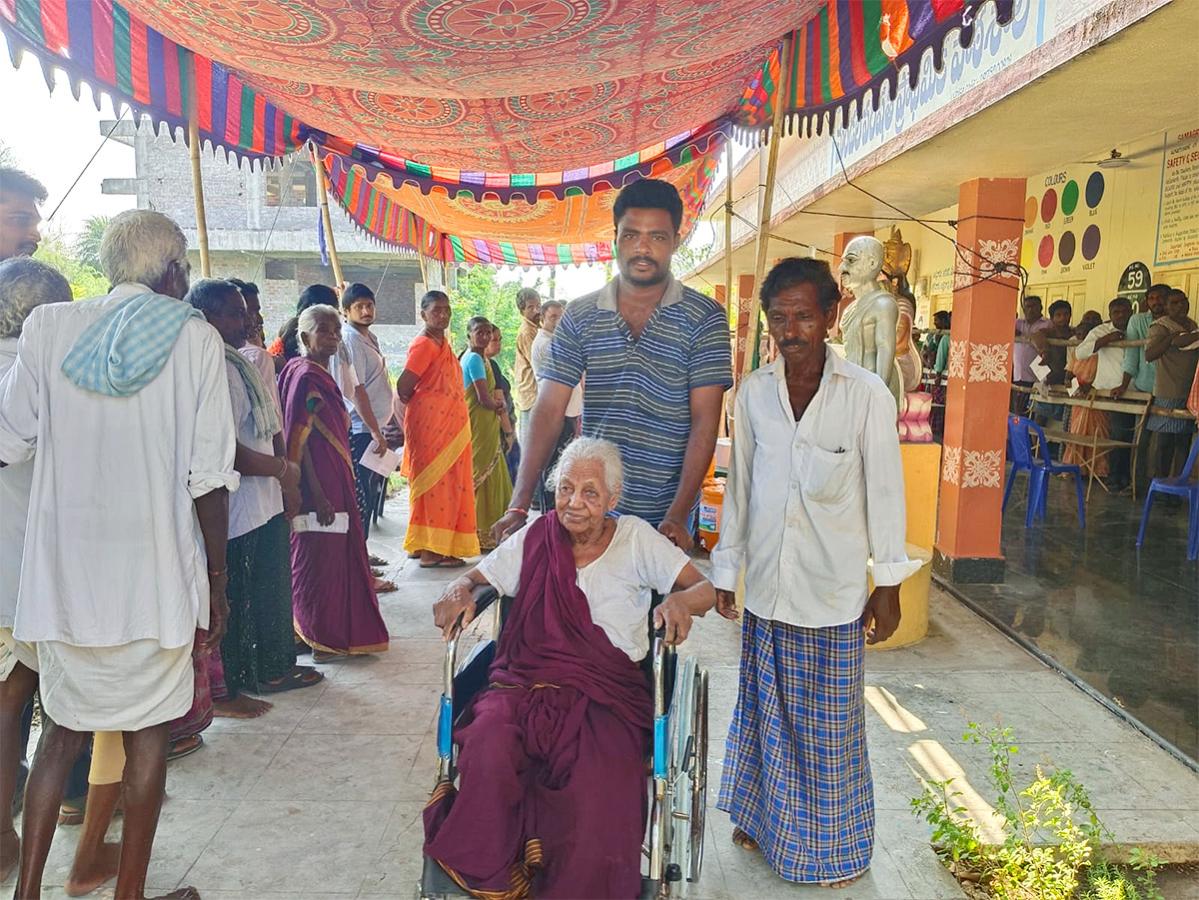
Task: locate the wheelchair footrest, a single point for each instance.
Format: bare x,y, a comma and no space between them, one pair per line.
436,884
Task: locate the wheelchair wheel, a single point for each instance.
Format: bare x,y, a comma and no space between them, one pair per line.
688,770
699,794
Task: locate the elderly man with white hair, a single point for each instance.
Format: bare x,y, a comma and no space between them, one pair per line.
126,400
555,748
24,285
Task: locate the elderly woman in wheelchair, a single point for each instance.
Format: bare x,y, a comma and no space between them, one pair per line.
552,794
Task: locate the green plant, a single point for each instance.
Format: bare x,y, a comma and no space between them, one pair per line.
1051,835
480,293
1136,881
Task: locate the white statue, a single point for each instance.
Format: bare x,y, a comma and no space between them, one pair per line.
869,323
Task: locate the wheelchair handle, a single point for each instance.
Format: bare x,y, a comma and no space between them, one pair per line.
484,595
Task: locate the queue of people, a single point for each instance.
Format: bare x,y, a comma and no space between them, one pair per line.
183,603
1152,349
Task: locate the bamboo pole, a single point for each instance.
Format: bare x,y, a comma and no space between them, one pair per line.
729,293
767,205
325,217
731,296
193,140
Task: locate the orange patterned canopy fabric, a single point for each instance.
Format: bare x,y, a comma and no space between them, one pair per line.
490,85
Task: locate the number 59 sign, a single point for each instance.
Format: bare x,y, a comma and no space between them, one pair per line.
1134,283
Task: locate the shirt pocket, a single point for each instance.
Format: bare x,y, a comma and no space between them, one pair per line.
827,475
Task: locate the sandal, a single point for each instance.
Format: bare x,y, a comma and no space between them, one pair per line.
299,677
377,560
71,811
184,747
384,587
325,656
446,562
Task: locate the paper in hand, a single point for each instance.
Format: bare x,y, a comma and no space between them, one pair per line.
308,522
384,465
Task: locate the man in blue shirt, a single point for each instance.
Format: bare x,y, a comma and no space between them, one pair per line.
657,359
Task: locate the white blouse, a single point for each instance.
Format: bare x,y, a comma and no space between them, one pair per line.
618,585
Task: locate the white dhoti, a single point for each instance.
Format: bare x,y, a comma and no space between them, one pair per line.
124,688
13,651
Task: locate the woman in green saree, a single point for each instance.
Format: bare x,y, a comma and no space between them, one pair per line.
493,484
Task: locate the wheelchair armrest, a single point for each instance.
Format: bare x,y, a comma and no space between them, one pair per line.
484,595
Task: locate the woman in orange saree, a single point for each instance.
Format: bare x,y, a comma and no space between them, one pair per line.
437,447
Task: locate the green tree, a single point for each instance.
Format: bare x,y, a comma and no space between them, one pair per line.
85,280
86,246
480,293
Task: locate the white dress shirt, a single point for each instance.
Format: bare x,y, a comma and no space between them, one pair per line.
618,586
540,356
807,504
258,498
1110,371
16,481
113,549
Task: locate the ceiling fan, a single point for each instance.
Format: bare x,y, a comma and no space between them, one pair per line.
1114,160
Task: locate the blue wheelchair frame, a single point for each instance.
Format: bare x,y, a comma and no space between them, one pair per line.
674,848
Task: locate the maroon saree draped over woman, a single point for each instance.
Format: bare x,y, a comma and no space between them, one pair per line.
552,793
335,607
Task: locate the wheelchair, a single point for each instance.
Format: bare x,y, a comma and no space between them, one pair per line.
673,847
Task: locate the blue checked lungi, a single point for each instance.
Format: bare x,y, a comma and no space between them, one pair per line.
797,775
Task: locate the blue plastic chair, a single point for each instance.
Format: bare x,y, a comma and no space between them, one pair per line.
1179,486
1020,433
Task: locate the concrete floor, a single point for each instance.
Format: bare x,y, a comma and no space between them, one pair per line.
322,797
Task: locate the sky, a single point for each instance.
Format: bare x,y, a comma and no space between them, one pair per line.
52,135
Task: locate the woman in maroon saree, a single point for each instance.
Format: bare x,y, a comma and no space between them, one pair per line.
335,608
552,793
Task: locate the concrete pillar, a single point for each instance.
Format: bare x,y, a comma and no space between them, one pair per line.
745,290
986,280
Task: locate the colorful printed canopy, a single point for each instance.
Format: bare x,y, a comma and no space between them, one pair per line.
489,85
575,229
849,50
455,98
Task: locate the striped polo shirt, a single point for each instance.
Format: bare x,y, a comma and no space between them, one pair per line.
637,393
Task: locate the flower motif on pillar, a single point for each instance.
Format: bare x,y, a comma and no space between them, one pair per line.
951,464
983,469
990,362
957,360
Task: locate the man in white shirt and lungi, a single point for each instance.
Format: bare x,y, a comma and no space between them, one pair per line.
815,490
126,401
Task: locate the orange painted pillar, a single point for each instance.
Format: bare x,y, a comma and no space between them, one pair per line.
986,284
745,291
721,296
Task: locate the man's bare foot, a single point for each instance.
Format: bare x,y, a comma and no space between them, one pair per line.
743,840
184,893
88,875
843,883
10,852
240,707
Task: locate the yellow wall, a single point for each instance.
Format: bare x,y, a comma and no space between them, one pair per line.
1126,217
